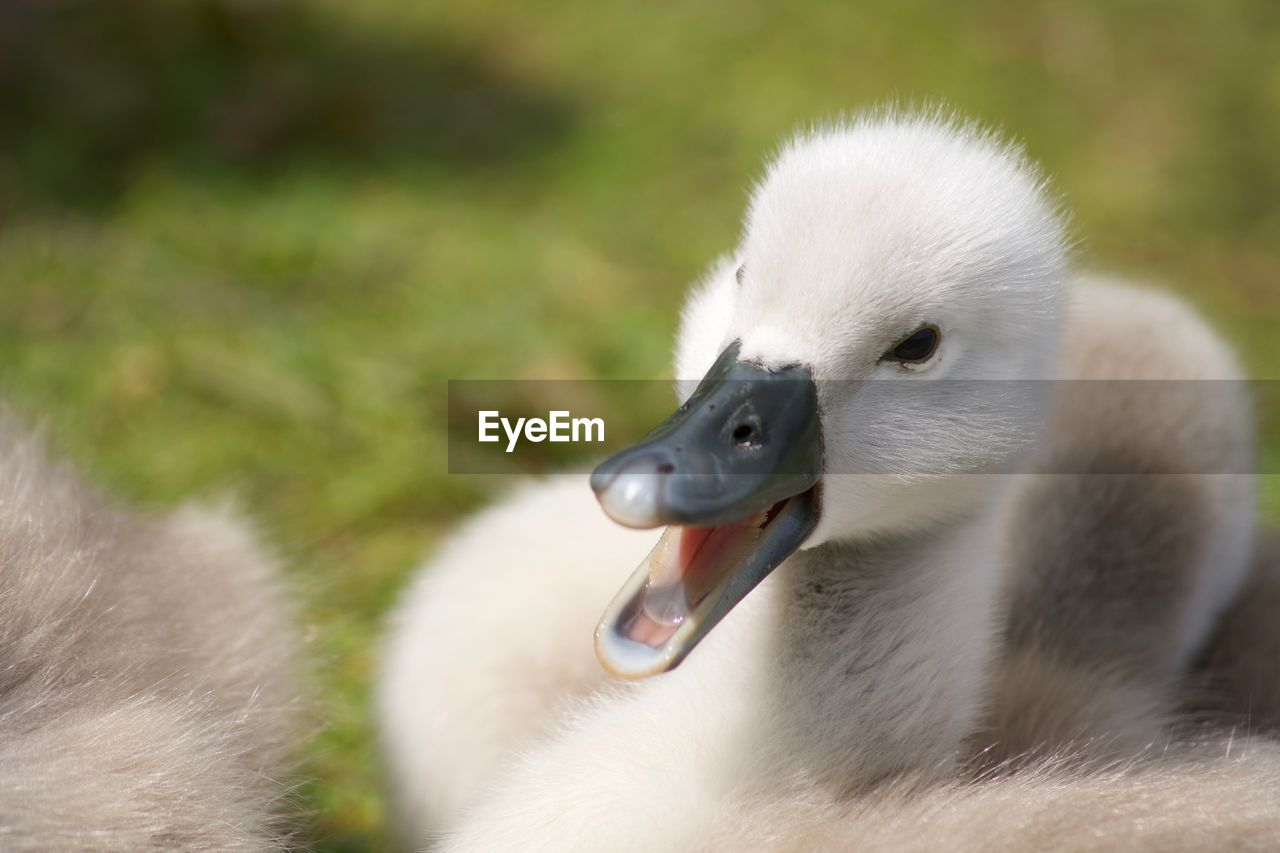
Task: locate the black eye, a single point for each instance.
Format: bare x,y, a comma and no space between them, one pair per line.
741,271
916,348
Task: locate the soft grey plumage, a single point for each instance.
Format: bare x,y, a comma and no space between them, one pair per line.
146,680
1135,541
1199,799
1239,674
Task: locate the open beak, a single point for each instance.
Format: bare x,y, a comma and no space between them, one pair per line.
734,475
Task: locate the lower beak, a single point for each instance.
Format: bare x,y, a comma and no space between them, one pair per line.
736,504
691,580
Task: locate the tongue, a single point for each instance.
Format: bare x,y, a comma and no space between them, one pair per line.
689,563
691,541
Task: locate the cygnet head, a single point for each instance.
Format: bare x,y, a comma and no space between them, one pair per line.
889,268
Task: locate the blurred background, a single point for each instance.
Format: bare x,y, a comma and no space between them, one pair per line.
243,243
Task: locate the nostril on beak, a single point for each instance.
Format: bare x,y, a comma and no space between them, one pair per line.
666,468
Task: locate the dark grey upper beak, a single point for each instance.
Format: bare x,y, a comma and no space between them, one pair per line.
746,439
733,475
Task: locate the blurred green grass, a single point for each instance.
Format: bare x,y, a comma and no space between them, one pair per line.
243,244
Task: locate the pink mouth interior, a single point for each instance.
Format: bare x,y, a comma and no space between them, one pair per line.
687,564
